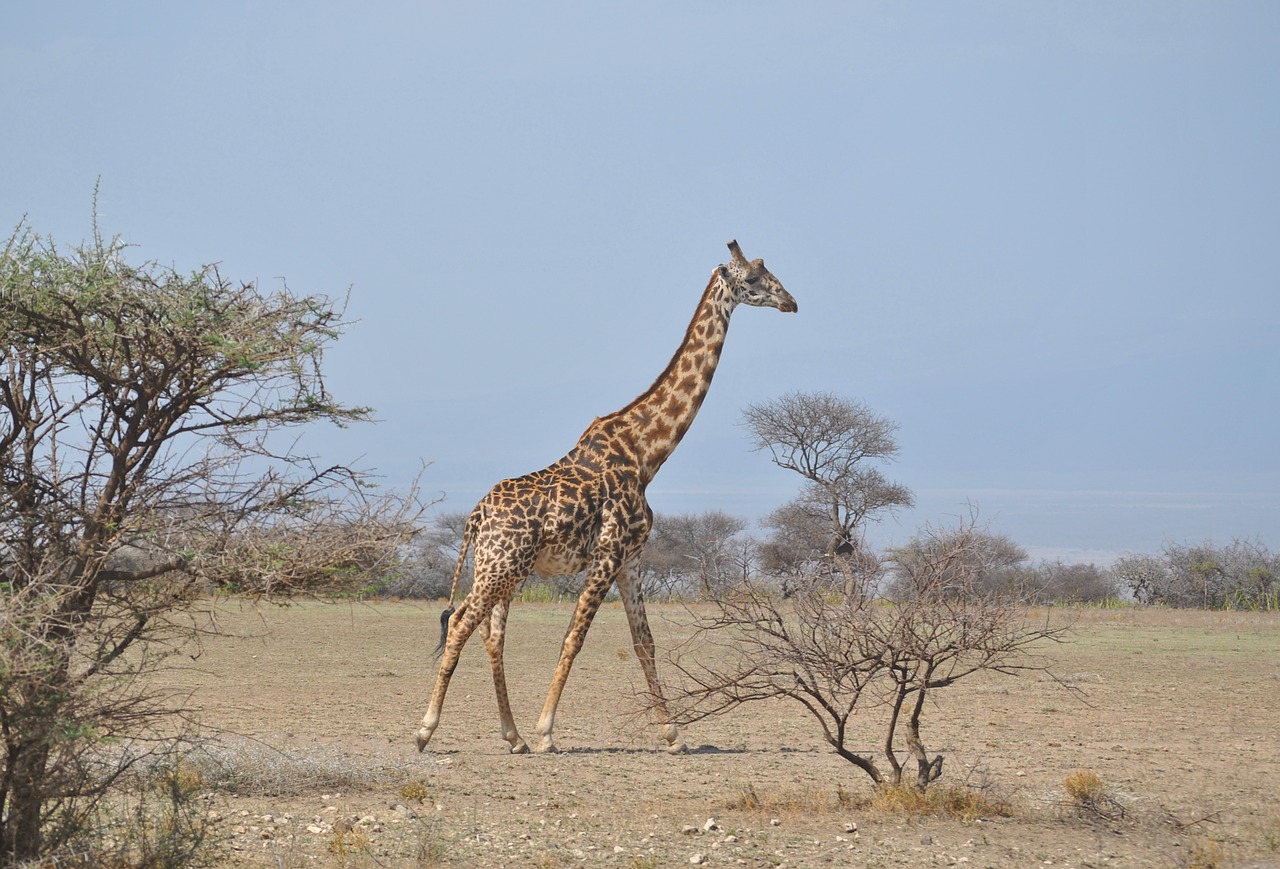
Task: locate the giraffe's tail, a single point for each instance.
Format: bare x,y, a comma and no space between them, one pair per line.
467,531
444,629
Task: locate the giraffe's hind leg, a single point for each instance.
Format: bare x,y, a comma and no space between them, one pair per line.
642,642
462,624
494,630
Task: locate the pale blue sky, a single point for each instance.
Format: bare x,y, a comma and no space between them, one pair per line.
1042,237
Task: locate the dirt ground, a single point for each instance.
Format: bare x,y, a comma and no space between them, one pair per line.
1179,720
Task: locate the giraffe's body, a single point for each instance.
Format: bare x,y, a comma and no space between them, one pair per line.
588,511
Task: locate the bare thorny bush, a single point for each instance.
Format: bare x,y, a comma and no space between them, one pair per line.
852,658
141,412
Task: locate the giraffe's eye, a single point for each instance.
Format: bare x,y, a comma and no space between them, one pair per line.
753,279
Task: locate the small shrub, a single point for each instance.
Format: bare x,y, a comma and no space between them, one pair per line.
1271,838
414,790
1205,854
747,800
1084,786
431,849
183,778
348,841
1088,795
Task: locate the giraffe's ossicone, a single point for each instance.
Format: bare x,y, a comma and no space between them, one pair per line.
588,512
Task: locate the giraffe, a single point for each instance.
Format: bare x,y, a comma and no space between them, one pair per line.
588,512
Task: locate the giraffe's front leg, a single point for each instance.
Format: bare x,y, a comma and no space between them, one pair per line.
588,603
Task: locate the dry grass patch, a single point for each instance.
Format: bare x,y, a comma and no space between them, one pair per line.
806,800
939,801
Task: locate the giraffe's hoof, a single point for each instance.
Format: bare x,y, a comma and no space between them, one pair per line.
520,747
547,747
678,748
423,739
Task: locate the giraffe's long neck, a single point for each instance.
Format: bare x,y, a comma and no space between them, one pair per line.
651,426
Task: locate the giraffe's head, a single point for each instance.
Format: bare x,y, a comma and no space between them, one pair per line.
753,284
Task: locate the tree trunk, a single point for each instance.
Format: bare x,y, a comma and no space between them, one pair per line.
863,763
22,840
927,771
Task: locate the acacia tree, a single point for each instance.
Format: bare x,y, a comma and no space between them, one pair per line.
1059,582
794,535
831,442
699,551
985,565
840,657
140,412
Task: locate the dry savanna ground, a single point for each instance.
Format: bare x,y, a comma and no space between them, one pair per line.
310,712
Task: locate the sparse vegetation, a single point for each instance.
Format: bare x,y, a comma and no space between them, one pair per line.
1205,853
613,789
837,655
538,590
1242,575
787,800
153,818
